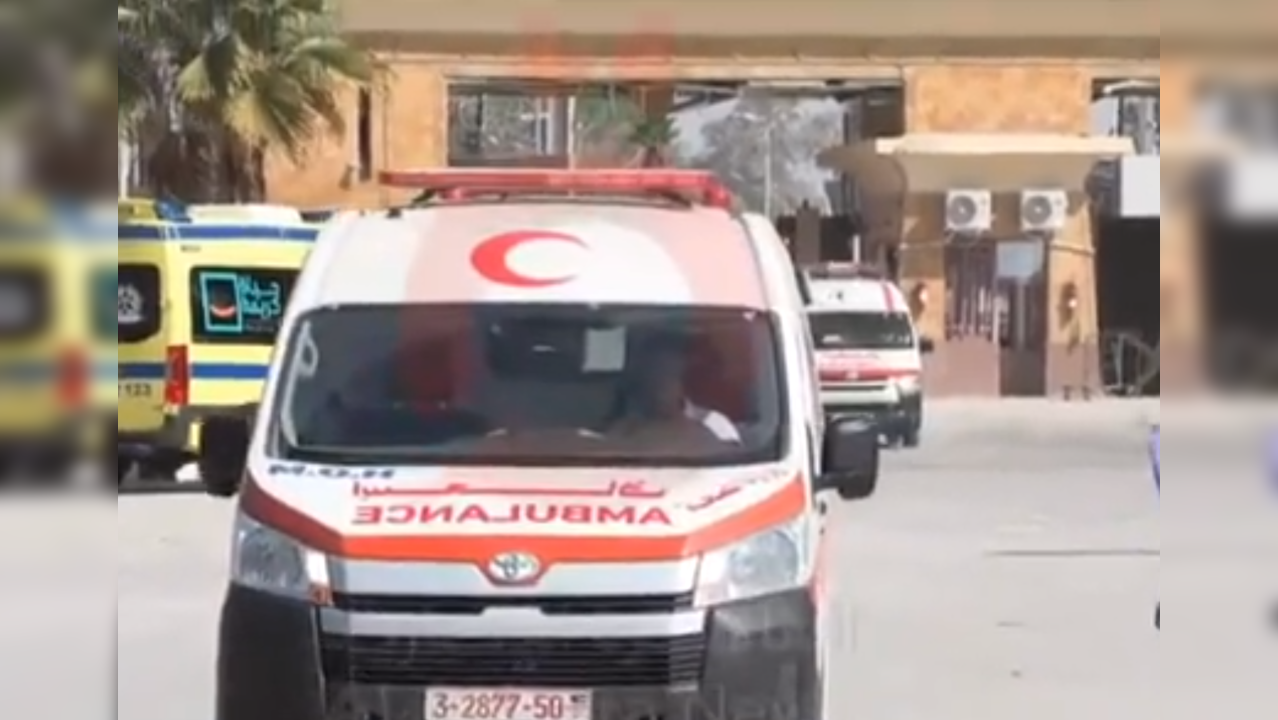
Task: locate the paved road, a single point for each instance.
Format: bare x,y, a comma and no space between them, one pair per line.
1007,571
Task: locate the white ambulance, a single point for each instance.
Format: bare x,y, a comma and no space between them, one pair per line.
544,446
869,351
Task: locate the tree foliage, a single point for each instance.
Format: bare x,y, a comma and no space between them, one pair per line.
765,150
212,84
55,84
604,126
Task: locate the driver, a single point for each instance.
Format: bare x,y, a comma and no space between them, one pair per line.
658,404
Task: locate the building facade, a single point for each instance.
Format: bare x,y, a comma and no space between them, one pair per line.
981,79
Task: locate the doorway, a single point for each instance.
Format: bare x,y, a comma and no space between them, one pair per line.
1240,267
1128,304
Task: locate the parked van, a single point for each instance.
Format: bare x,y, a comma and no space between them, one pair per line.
549,444
200,303
869,351
56,352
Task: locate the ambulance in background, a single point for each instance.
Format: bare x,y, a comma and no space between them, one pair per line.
869,352
57,349
202,292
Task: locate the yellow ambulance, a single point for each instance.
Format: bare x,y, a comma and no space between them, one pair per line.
202,291
56,345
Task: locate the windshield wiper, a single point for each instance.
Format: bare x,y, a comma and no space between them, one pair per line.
337,454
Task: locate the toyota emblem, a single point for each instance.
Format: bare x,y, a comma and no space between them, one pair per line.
514,568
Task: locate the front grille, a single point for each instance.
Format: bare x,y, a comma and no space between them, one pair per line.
471,605
507,662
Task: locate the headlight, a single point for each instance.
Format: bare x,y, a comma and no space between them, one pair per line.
908,383
266,560
773,561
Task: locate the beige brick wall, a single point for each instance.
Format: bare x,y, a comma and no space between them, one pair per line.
410,115
1176,83
990,98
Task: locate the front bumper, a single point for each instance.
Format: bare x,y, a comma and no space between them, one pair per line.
892,411
756,659
72,436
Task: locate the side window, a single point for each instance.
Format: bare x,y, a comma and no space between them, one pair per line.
139,302
25,303
237,305
104,283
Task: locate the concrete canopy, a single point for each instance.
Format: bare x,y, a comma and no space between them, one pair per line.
1045,28
934,163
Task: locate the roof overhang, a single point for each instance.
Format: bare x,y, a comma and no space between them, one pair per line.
927,163
814,28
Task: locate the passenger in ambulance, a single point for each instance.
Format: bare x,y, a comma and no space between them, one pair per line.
656,406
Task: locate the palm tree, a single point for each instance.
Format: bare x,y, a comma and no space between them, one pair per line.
234,79
654,139
54,87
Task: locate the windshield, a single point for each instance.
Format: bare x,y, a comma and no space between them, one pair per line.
862,331
536,385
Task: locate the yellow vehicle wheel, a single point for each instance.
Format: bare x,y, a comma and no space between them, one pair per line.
163,467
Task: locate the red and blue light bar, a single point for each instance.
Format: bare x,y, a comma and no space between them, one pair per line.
695,186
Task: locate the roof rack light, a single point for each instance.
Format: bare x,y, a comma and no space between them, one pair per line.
694,186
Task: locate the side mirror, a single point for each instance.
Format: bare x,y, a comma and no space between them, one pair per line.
850,458
223,458
927,345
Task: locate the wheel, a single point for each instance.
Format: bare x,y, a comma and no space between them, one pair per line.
54,467
8,470
162,467
912,434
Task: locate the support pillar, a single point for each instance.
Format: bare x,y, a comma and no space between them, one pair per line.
1072,351
1182,292
656,101
1182,332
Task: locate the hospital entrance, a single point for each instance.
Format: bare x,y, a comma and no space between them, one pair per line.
1240,278
1128,305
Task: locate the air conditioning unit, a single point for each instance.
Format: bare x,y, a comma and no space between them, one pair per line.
1044,210
969,212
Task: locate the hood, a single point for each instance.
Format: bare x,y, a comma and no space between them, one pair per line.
325,504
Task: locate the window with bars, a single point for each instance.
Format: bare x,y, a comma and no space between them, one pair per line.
971,294
1139,118
1129,108
1246,112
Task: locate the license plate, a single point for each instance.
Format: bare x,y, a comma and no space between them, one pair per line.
507,704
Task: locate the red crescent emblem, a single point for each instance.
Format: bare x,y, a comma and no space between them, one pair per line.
491,258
